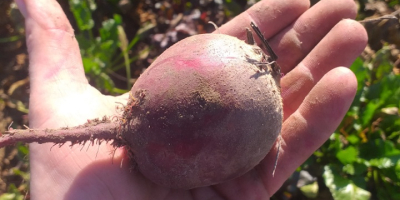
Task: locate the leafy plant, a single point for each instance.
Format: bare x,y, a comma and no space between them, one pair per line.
14,192
361,160
100,54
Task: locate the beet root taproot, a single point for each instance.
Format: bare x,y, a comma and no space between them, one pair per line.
206,111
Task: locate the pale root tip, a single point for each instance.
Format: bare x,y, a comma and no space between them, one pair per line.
215,26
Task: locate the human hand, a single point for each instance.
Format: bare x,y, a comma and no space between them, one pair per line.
311,45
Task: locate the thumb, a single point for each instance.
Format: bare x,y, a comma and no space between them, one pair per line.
56,71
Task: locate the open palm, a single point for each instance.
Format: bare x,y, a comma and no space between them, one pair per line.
312,44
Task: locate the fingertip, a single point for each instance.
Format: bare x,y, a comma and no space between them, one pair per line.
44,14
49,32
340,47
355,32
342,71
342,77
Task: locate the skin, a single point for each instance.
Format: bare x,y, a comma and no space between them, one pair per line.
312,45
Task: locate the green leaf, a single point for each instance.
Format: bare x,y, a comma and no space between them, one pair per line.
335,143
360,71
82,13
117,19
119,91
232,8
386,90
353,139
369,111
9,196
106,82
89,65
348,155
11,38
92,4
343,189
109,30
12,194
106,45
25,175
349,169
351,192
389,148
397,169
360,167
310,190
21,107
393,3
382,59
381,163
23,149
390,87
378,148
394,135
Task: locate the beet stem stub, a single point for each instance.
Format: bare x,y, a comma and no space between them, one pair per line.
274,57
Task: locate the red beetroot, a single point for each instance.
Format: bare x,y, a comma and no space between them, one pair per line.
204,116
206,111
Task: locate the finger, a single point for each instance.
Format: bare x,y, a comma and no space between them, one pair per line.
53,50
333,50
270,16
311,125
293,44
